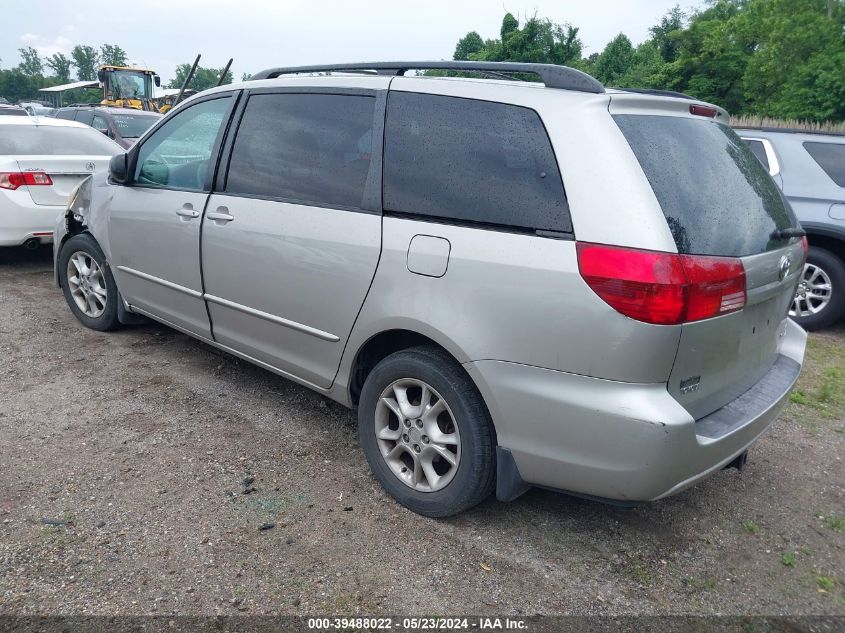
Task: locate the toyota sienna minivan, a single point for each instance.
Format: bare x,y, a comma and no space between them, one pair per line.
515,283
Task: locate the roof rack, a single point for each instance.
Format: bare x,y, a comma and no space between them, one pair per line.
659,93
552,76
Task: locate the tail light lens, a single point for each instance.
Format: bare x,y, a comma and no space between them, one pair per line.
663,288
13,180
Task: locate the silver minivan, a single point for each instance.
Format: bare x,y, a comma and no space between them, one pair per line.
515,283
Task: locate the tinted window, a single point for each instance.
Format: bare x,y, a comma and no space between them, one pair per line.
304,147
717,197
70,115
759,151
55,141
831,158
133,126
179,153
13,112
99,123
85,116
469,160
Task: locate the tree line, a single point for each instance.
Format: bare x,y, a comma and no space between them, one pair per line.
770,58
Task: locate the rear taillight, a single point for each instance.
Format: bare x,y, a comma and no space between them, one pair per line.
663,288
13,180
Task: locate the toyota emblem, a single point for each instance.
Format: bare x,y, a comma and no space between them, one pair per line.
783,267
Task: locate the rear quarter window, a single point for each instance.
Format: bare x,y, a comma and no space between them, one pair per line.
759,151
717,197
471,161
830,157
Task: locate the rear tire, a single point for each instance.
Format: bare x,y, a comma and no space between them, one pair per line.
426,432
87,283
815,308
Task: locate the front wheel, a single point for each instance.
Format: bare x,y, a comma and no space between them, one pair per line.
87,283
426,432
820,297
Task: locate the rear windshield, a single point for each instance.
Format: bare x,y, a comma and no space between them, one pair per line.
129,126
717,197
48,140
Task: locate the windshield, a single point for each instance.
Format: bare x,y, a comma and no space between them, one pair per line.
130,126
31,140
128,85
717,197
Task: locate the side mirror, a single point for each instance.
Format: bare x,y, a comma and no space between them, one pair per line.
119,168
157,81
104,130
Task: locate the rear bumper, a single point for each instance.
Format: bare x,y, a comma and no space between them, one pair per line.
21,219
623,441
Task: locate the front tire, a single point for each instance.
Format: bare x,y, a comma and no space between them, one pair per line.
87,283
426,432
820,298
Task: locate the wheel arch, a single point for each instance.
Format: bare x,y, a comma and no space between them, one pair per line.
829,238
382,343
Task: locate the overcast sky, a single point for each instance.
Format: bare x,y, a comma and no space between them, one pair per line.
265,33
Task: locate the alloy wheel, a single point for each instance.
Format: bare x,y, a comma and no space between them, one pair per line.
87,284
813,293
417,435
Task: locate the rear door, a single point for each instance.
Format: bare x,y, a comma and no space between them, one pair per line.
719,200
154,222
292,236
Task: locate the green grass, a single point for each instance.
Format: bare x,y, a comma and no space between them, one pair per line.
835,523
821,387
751,527
826,582
788,559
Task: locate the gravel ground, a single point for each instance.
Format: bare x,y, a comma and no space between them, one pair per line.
126,468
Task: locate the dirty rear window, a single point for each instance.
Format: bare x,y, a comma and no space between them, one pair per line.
717,197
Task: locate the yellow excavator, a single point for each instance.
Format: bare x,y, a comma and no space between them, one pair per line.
125,87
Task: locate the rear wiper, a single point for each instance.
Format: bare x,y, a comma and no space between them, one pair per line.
784,234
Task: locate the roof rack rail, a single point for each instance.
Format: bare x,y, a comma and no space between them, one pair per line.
552,76
659,93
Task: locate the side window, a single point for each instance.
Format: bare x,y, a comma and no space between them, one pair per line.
179,154
311,148
469,160
85,116
66,114
100,124
759,150
831,158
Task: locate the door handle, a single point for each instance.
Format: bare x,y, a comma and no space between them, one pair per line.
220,215
187,212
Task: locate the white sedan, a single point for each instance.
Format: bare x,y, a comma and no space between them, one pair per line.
41,161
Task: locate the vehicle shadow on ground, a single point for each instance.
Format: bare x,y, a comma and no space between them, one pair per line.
11,257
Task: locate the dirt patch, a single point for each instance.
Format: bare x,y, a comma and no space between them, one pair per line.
124,457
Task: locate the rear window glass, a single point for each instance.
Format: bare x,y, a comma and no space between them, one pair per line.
48,140
717,197
831,158
129,126
310,148
759,151
468,160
